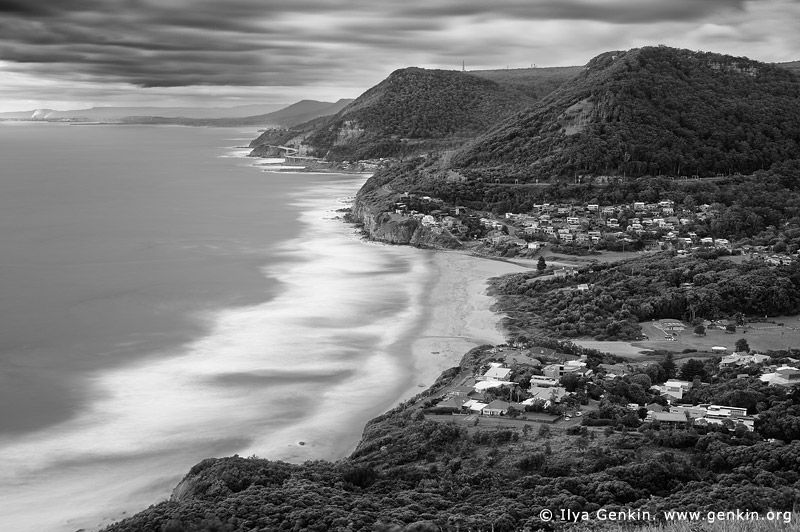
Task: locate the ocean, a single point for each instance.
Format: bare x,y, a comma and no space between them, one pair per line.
162,301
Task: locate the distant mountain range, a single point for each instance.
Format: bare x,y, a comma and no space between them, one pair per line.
416,111
266,115
116,113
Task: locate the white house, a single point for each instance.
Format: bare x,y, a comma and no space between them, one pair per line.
496,373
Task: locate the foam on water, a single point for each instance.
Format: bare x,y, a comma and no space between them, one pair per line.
312,365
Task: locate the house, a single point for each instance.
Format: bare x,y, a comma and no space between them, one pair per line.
534,246
758,358
454,404
556,371
675,383
735,359
692,412
483,385
463,391
540,380
565,272
546,394
721,412
674,388
449,221
474,405
783,376
496,373
669,418
496,408
718,349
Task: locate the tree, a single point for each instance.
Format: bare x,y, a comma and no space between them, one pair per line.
669,365
541,265
544,431
730,328
742,346
693,368
700,330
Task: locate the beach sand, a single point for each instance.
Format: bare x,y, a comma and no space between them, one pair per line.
459,315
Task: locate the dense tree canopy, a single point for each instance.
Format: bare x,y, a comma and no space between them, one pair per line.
646,288
650,111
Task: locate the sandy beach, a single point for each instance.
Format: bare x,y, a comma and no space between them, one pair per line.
460,315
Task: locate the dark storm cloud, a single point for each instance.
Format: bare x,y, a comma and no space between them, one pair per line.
613,11
173,43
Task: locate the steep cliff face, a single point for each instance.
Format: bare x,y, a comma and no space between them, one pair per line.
373,209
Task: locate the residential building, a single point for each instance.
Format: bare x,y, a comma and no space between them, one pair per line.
496,408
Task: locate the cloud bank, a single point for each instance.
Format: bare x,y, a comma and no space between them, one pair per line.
162,49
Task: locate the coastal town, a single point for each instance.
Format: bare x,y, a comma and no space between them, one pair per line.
532,385
585,228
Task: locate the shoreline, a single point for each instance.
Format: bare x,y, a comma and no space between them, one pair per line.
459,314
457,317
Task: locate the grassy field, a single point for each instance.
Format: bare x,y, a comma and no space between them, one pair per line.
760,337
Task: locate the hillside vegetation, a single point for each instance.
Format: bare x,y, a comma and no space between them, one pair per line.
648,111
534,82
415,474
621,295
413,111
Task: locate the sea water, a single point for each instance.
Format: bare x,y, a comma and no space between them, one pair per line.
162,301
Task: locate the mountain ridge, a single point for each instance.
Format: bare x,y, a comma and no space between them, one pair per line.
415,111
651,110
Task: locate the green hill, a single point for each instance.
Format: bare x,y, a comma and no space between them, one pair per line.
413,111
649,111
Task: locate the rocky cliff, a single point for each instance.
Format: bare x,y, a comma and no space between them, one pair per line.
374,210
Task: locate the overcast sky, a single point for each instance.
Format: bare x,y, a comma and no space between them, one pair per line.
68,54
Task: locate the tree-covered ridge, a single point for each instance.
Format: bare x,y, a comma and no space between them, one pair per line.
620,295
649,111
411,106
413,111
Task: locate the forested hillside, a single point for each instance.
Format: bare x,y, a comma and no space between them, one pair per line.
413,111
648,111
